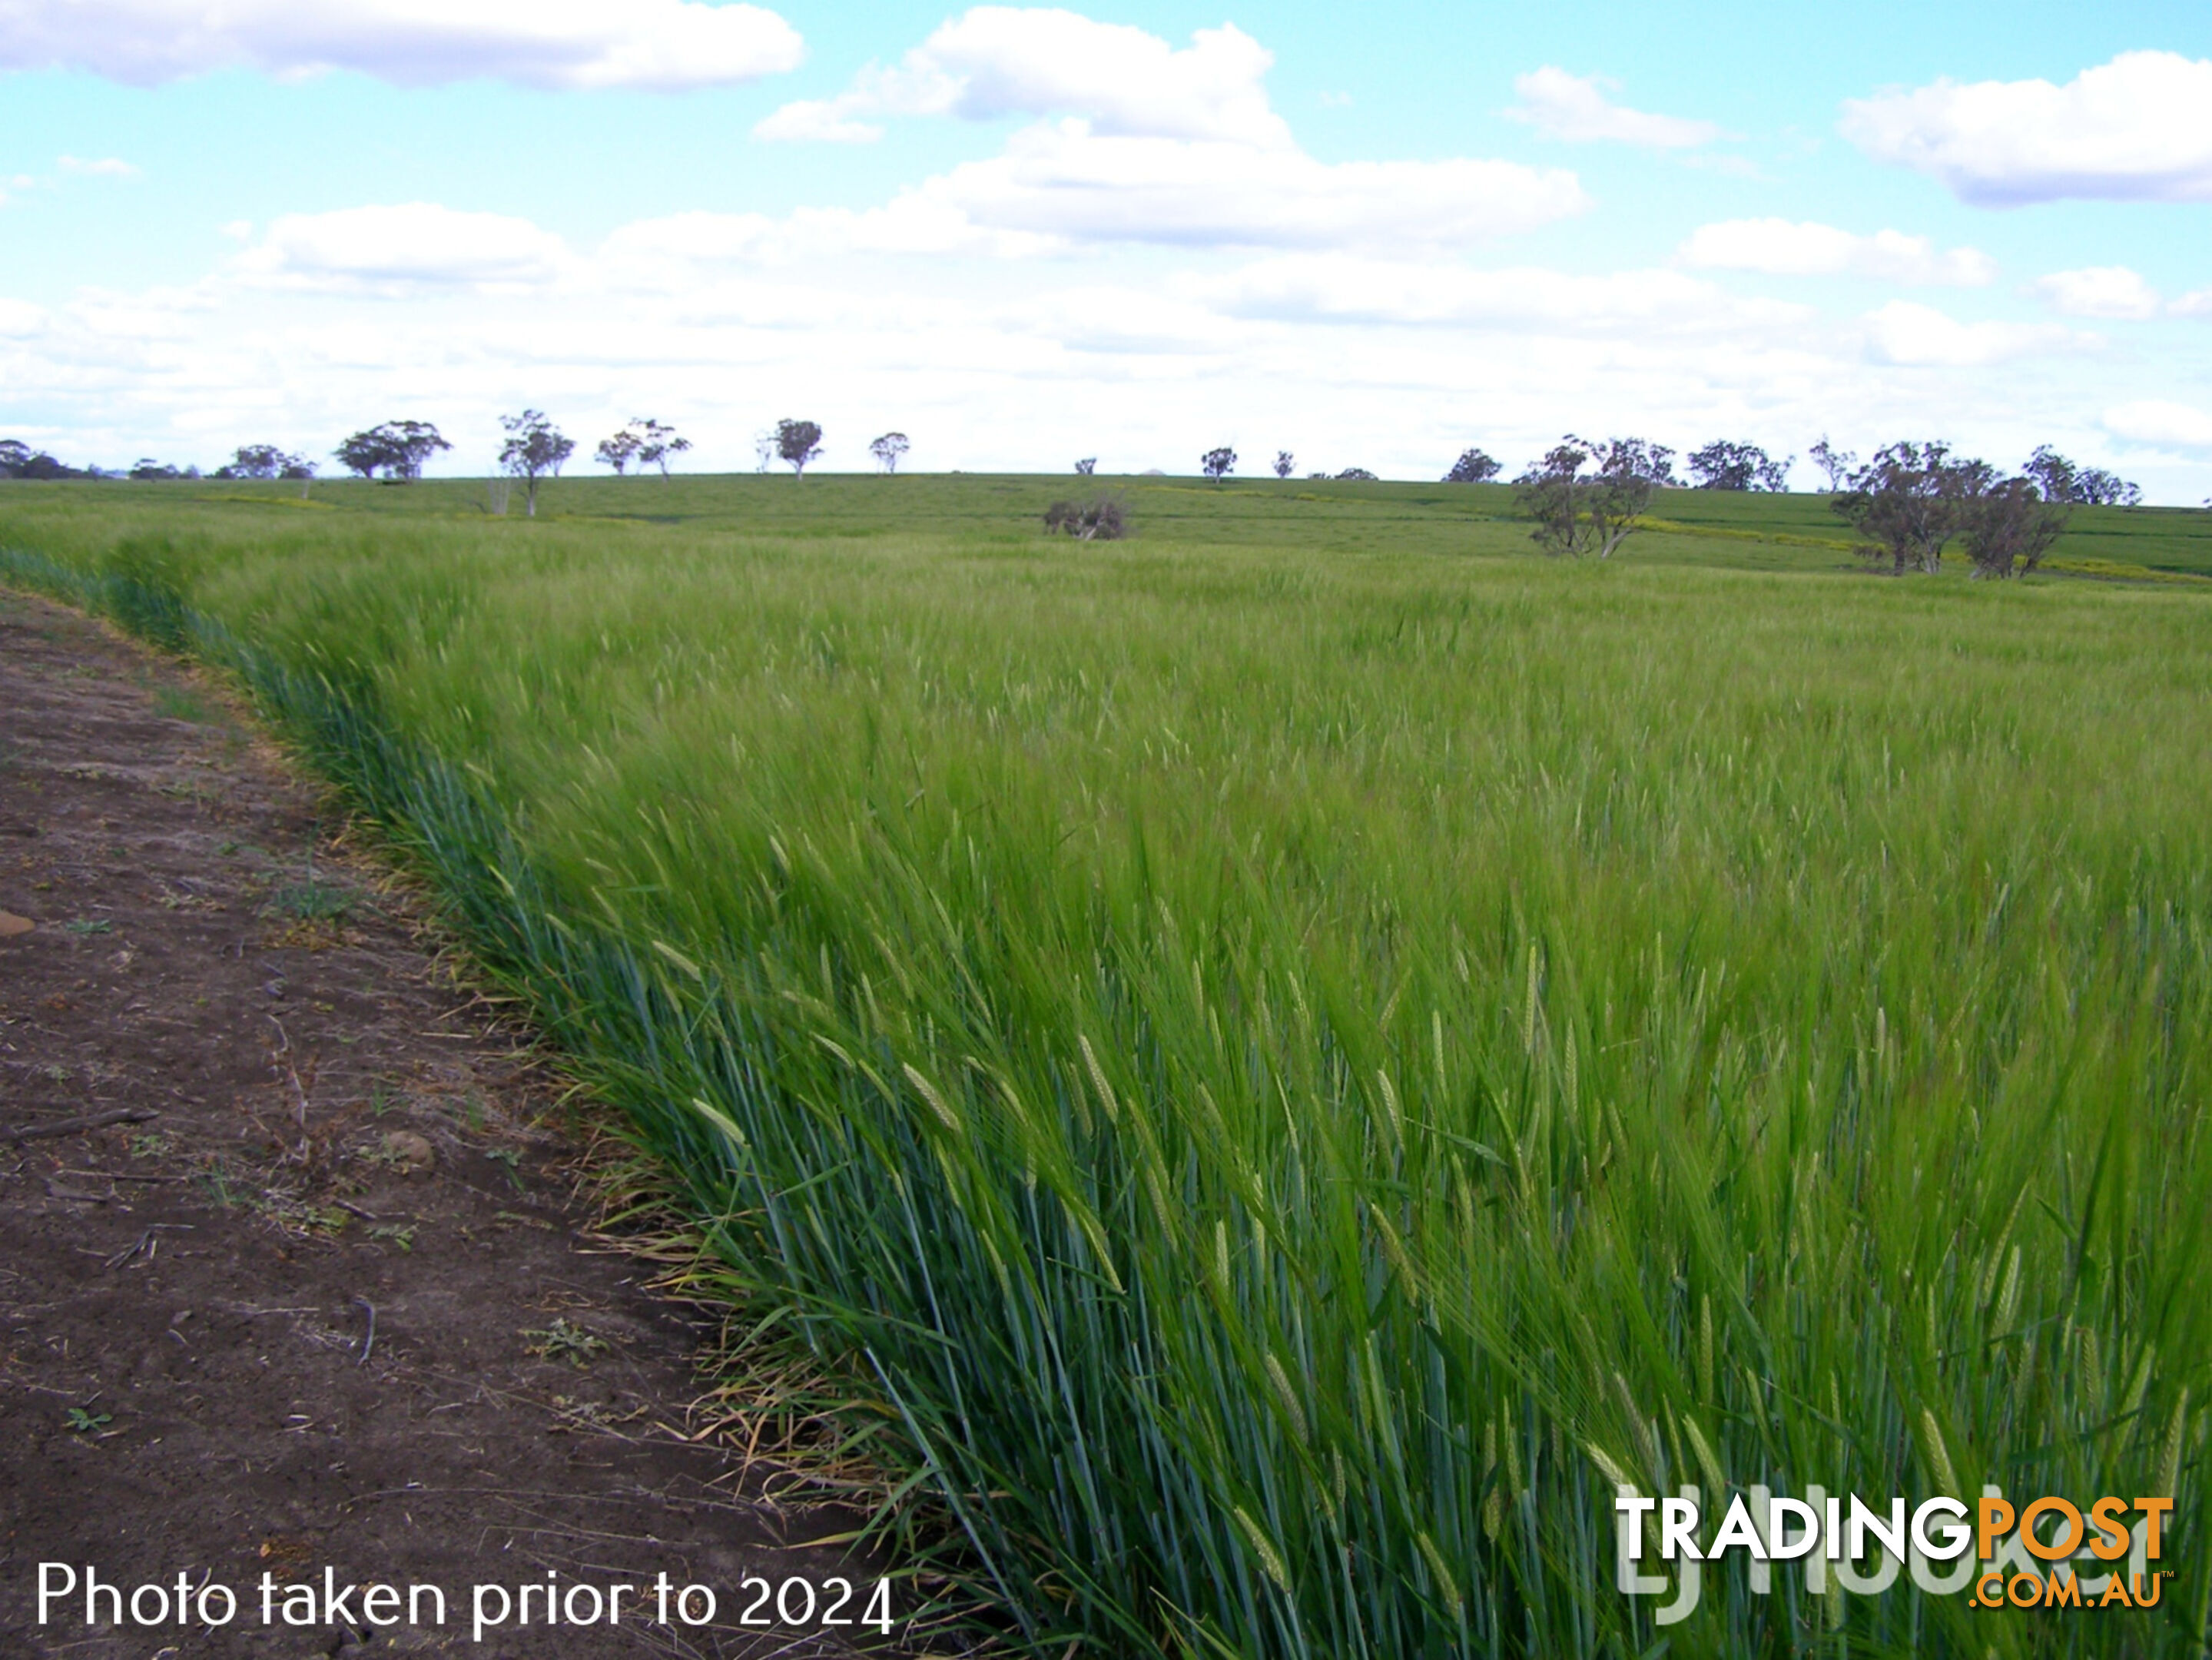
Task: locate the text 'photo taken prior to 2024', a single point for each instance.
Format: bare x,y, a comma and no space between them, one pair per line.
1078,833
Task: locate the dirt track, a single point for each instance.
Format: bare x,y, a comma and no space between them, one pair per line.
187,1379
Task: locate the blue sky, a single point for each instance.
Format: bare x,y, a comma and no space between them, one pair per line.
1023,235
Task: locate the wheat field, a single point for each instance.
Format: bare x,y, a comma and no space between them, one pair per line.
1290,1053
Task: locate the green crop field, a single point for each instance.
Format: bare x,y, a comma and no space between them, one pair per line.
1290,1053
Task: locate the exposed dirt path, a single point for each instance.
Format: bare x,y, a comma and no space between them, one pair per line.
188,1383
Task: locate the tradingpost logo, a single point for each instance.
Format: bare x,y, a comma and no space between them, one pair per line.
2047,1553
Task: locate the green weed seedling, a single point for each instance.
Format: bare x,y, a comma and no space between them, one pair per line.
564,1340
82,1422
310,900
216,1180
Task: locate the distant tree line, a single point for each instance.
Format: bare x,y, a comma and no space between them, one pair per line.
644,442
393,452
265,461
1218,463
19,460
396,452
1907,503
1722,465
1913,498
2060,480
1585,497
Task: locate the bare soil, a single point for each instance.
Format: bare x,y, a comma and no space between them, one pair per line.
335,1138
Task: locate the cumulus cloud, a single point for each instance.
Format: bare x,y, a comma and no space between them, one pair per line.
1136,141
2113,291
1060,188
996,61
684,248
1341,287
400,249
1064,180
1575,107
2131,130
1395,360
1920,337
1780,247
816,121
2179,426
647,45
107,167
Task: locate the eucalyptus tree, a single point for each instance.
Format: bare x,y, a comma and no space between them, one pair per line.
534,447
797,443
394,450
1593,512
1905,502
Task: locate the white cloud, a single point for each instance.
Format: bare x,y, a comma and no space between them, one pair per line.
997,61
119,319
815,121
2136,129
2113,291
1393,363
1123,321
402,248
1780,247
1060,187
1576,108
1915,336
2155,422
19,317
1139,141
1341,287
1066,181
686,248
106,167
647,45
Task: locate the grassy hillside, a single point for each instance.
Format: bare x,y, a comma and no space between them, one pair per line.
1794,533
1299,1049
